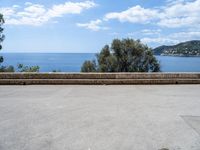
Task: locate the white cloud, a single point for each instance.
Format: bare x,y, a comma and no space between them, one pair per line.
36,14
136,14
16,6
28,3
159,40
151,31
176,14
173,2
7,11
172,38
144,32
92,25
114,34
70,8
181,14
185,36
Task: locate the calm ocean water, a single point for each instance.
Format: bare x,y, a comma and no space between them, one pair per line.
71,62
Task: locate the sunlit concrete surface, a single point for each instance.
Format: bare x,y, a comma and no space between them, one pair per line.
135,117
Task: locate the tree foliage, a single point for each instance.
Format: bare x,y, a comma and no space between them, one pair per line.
89,66
126,55
7,69
1,35
23,68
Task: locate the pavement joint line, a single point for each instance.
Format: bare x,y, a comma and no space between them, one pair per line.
189,123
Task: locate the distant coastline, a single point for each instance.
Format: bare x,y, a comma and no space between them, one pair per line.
185,49
178,55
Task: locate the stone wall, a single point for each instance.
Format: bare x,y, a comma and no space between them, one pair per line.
98,78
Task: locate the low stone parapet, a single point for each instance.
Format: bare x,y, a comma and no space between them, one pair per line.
98,78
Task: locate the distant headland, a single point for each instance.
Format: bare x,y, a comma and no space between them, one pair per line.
187,49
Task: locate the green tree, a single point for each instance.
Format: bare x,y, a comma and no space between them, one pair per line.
126,55
23,68
89,66
1,35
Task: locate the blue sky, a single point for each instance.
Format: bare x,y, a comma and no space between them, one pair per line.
87,25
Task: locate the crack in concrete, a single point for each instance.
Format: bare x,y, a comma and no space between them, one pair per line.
193,122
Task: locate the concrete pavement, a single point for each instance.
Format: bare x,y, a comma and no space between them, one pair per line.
128,117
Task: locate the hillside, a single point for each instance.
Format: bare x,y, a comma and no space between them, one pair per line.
189,48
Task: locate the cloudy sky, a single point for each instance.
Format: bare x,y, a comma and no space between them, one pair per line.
87,25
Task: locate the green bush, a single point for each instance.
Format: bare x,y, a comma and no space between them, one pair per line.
7,69
23,68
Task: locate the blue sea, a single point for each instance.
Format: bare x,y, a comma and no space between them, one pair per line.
71,62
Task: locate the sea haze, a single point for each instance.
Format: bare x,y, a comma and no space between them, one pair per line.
71,62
